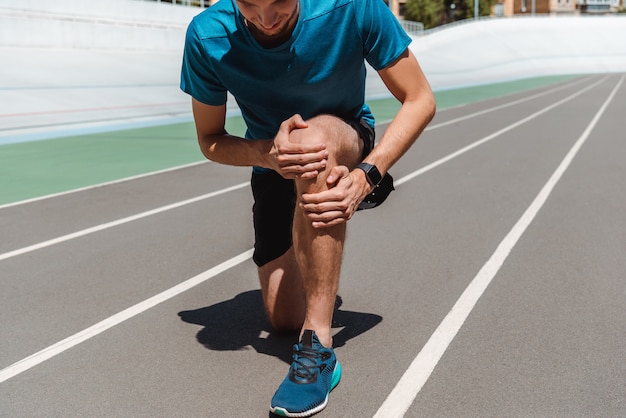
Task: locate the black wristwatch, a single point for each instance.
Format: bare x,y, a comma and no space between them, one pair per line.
371,172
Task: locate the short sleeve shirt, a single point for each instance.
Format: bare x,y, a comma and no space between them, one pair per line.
319,70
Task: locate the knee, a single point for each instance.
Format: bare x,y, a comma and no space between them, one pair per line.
341,140
317,131
327,129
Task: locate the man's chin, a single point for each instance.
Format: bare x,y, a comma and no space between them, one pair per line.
273,33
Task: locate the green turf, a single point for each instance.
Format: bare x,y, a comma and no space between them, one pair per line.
385,109
466,95
37,168
32,169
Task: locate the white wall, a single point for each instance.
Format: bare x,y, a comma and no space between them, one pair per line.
503,49
101,24
464,54
69,63
75,66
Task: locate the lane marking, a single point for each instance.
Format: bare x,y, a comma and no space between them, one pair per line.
400,181
428,128
117,222
494,135
85,86
92,109
108,183
404,393
505,105
55,349
67,129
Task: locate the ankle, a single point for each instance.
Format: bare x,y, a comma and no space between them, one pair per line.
324,336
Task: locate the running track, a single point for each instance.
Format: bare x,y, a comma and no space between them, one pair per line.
490,284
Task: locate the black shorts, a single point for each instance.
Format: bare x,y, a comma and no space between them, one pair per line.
275,203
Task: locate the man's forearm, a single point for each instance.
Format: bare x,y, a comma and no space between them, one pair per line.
233,150
402,132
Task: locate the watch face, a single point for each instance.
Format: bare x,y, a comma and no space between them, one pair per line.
373,175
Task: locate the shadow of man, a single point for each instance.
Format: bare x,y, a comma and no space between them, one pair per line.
241,322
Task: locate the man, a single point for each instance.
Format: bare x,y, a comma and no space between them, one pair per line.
296,69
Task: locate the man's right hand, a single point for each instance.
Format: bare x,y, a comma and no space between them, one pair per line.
294,160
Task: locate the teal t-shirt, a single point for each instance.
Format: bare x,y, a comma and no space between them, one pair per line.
320,70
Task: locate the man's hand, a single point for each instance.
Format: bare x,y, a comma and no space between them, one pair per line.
294,160
345,192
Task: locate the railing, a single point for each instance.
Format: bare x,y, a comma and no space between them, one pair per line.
518,16
49,16
194,3
412,28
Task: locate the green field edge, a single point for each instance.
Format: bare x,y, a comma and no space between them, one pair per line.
34,169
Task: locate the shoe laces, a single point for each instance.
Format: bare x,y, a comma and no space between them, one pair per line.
305,363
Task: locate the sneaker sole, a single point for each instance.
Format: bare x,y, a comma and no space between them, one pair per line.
333,384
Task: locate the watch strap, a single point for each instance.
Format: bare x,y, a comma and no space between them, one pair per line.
371,172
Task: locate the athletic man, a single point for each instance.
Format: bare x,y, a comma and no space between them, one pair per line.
296,69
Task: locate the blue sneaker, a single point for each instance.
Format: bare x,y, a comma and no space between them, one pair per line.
314,372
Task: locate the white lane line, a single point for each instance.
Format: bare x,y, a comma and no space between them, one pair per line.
117,222
505,105
493,135
428,128
55,349
116,319
410,384
398,182
108,183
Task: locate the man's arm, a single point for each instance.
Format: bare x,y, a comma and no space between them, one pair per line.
406,81
219,146
289,160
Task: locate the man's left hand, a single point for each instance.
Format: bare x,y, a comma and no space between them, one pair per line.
336,205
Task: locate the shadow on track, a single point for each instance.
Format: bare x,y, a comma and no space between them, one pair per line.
240,322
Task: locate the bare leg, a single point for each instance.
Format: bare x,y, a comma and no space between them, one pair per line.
300,287
283,293
319,252
319,255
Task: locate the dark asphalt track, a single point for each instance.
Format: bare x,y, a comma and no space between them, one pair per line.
534,212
